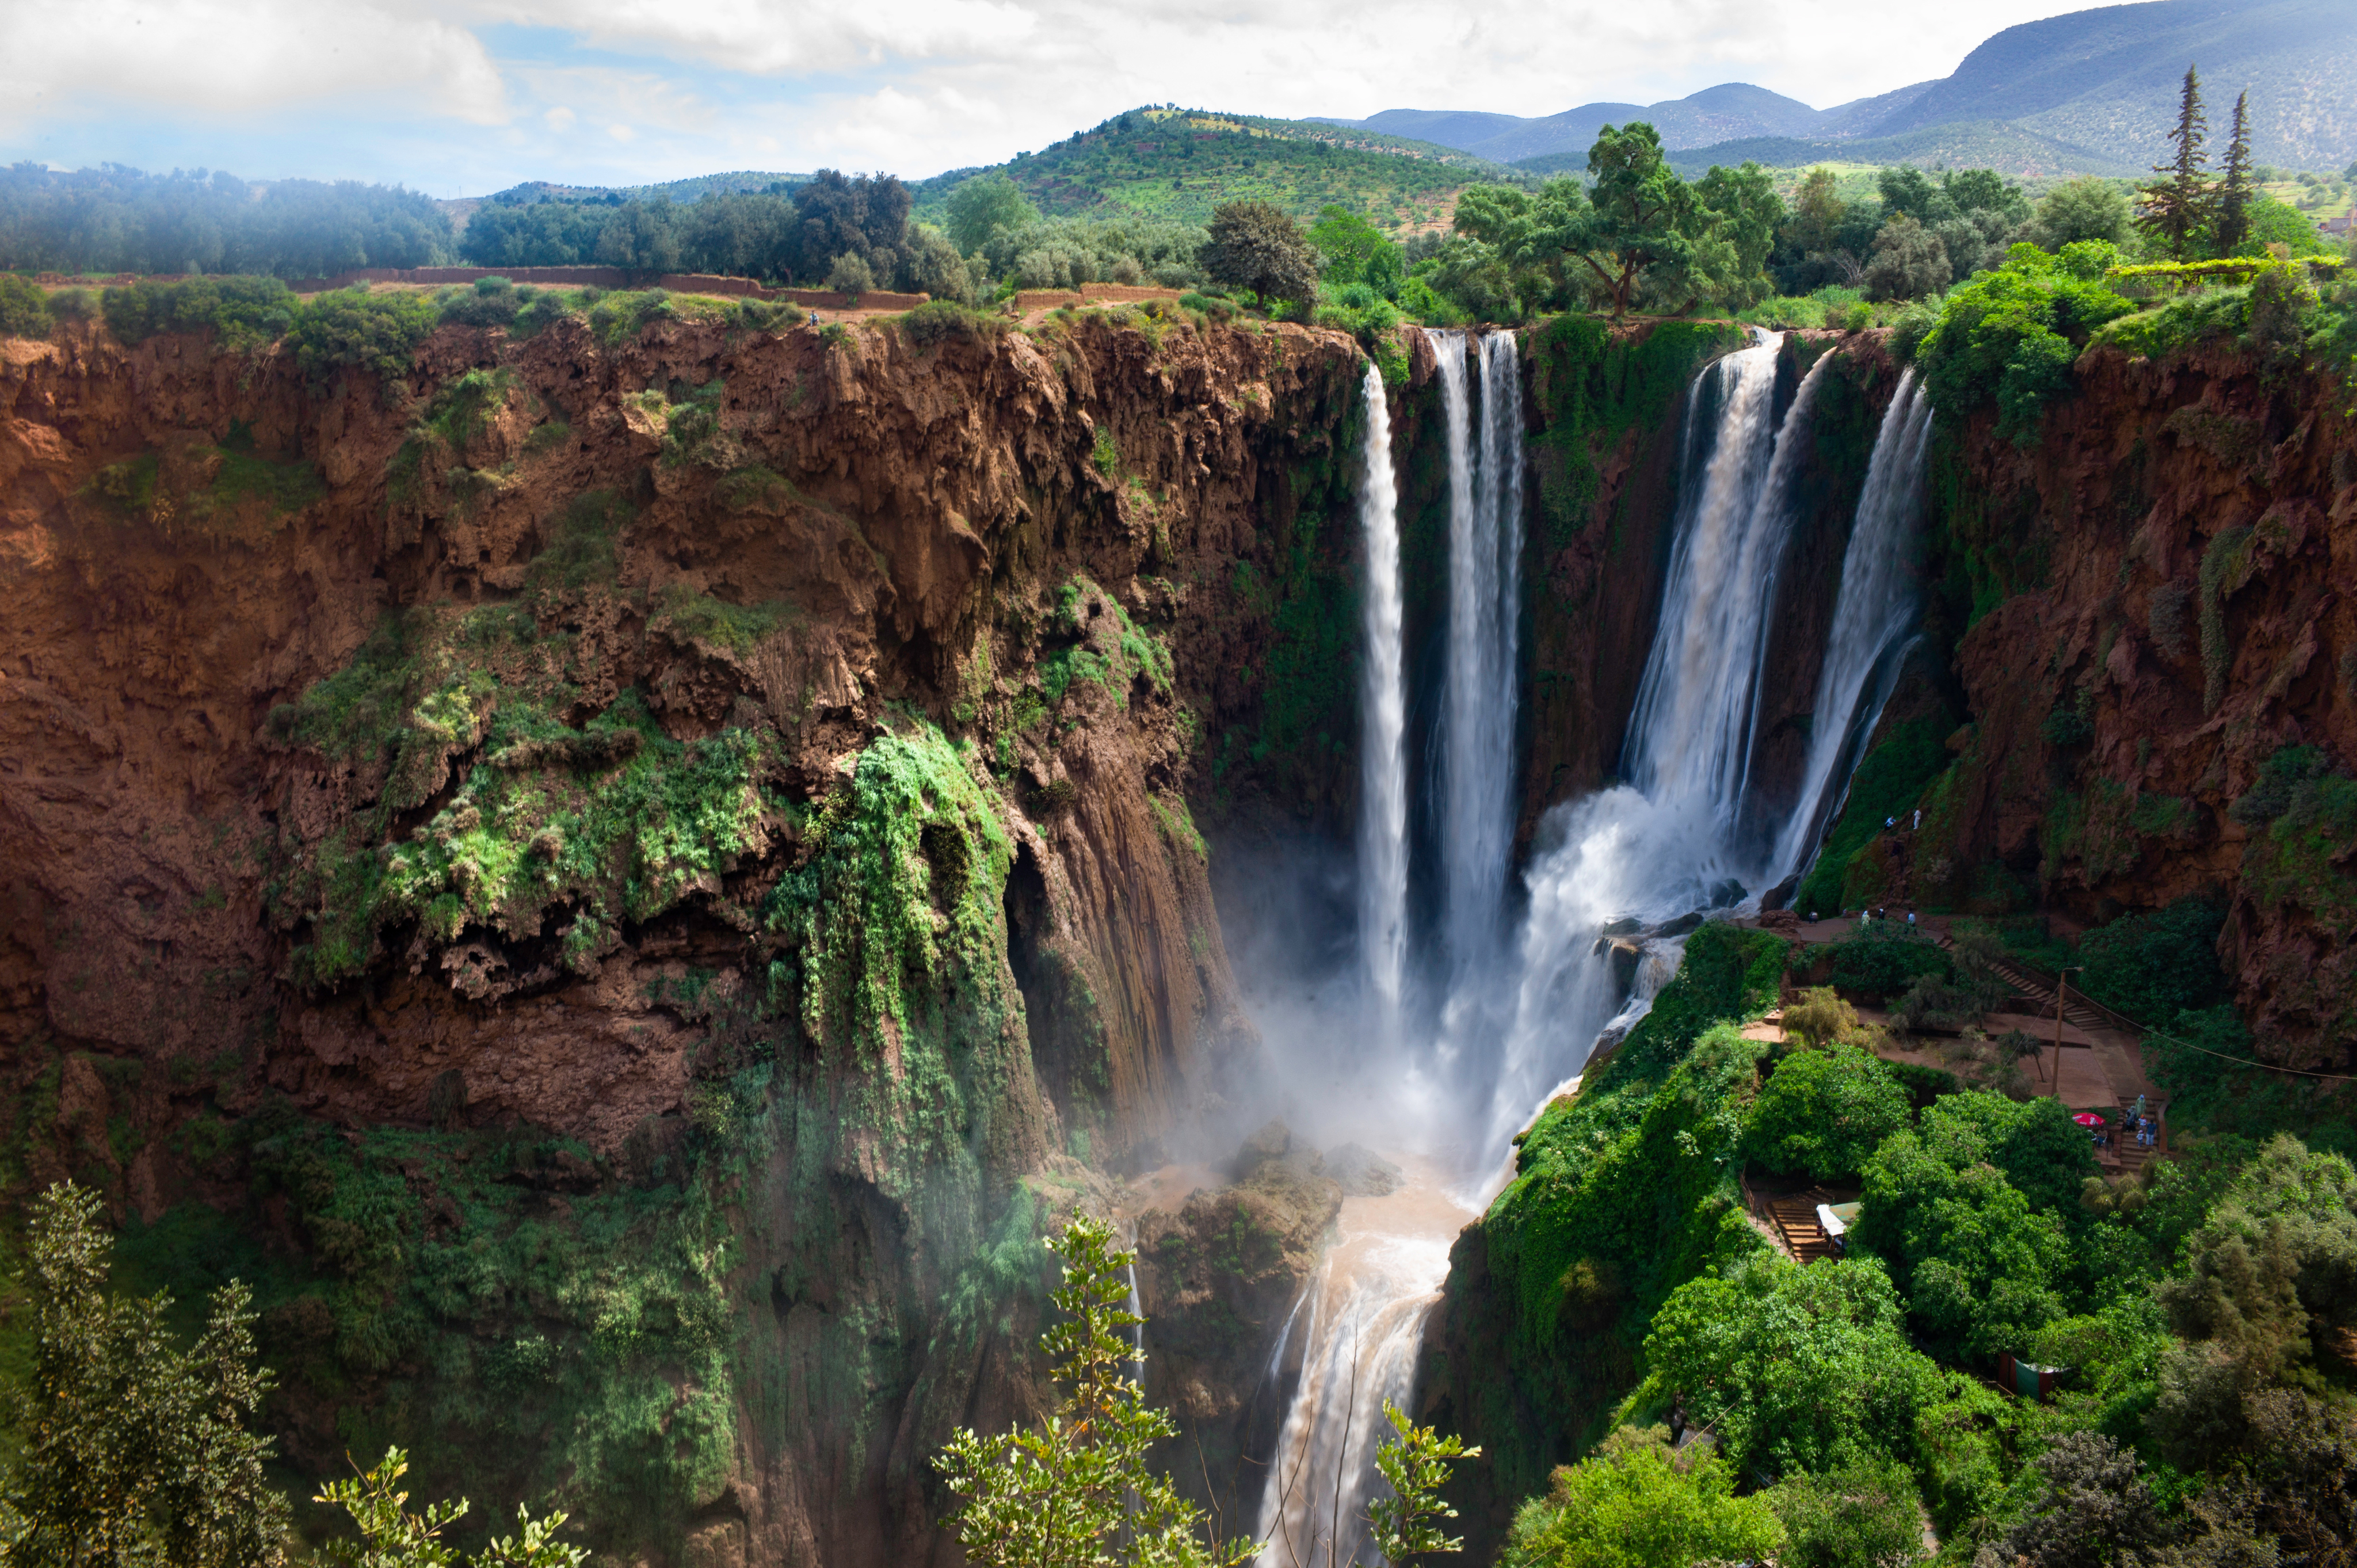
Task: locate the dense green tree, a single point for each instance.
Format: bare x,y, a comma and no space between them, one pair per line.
1637,1503
1062,1492
1793,1367
1744,213
135,1451
2180,205
639,237
1863,1514
537,234
2235,182
114,219
2094,1507
2009,336
1254,245
2152,966
1908,262
353,327
1907,191
1823,1111
1983,1267
981,207
1351,250
2087,208
835,215
1635,236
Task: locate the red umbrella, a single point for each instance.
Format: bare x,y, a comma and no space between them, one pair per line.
2088,1119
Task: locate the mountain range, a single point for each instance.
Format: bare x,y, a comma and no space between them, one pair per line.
2091,91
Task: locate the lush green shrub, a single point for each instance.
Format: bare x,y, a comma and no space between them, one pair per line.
1635,1503
1823,1111
2008,336
1981,1265
942,320
2154,965
353,327
1728,975
767,315
1860,1515
1882,958
1794,1368
617,317
490,302
24,308
241,312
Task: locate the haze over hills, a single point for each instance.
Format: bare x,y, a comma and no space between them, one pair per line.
2091,91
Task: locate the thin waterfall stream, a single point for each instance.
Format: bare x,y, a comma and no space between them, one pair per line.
1627,860
1382,708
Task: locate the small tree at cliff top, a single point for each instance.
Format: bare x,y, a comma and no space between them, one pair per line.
1255,246
1062,1495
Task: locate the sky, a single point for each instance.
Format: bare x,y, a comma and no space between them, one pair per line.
465,97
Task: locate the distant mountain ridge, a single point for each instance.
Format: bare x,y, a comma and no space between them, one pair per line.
2091,91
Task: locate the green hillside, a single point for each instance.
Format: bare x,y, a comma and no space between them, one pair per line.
1179,164
2008,149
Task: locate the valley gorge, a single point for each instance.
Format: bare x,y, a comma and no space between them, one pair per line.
626,881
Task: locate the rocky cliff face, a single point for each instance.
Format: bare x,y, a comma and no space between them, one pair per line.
627,882
2139,611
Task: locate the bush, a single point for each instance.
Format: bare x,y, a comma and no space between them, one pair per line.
1635,1503
1823,1111
2008,336
1882,958
850,275
353,327
490,302
767,315
942,320
2153,966
617,318
241,312
23,309
1865,1514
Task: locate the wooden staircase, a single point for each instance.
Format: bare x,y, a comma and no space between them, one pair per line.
1794,1215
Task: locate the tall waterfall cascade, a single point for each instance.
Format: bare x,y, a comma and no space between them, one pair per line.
1871,620
1382,717
1485,545
1669,840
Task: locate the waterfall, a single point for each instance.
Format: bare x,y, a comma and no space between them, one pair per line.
1383,709
1691,730
1478,723
1665,842
1625,859
1367,1303
1871,619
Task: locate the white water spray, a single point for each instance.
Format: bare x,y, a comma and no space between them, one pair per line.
1382,711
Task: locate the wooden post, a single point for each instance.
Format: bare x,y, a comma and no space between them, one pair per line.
2062,995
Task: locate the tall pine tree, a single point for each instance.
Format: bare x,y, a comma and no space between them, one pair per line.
2235,183
2177,207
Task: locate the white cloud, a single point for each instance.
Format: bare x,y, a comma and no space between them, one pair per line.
228,56
915,86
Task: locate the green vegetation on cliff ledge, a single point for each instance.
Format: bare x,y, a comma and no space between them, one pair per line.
2187,1304
1593,385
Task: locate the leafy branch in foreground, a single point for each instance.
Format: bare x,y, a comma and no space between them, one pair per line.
393,1536
1407,1523
1064,1494
134,1450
